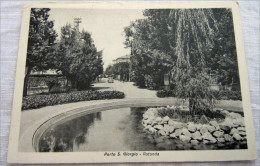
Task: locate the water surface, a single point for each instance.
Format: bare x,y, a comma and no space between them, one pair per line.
114,130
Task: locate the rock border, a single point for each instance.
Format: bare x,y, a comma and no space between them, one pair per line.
232,129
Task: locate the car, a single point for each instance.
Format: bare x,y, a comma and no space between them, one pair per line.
110,80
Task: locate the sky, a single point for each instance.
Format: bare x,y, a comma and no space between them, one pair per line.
105,25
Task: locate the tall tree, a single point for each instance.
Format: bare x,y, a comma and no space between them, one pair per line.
195,33
190,44
41,40
78,58
147,47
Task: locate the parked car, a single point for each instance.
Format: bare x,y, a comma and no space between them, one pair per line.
110,80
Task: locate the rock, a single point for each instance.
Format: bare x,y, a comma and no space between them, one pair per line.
228,138
198,126
152,130
171,122
211,128
228,122
244,138
204,119
242,133
150,120
214,123
218,134
173,135
237,137
178,132
209,137
166,119
161,132
147,127
204,129
159,127
178,125
168,129
243,129
186,132
158,119
192,127
225,128
221,140
239,122
233,131
194,142
225,112
205,141
234,115
184,138
196,136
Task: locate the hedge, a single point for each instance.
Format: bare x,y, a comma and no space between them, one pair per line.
37,101
219,95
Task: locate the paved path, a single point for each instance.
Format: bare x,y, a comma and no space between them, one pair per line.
128,88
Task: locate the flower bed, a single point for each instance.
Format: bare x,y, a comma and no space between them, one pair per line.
36,101
230,129
219,95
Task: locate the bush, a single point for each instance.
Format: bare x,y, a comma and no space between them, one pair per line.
219,95
165,93
227,95
36,101
185,116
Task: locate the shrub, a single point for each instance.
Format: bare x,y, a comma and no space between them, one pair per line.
36,101
165,93
184,116
219,95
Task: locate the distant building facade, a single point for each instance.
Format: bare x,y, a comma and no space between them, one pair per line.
125,58
38,82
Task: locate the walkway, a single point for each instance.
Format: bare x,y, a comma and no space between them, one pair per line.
128,88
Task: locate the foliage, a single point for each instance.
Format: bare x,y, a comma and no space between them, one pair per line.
218,95
146,60
78,58
223,58
41,42
227,95
185,117
121,68
190,42
36,101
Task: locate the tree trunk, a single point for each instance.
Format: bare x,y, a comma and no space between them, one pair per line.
192,106
26,78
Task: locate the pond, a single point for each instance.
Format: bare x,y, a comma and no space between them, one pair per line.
114,130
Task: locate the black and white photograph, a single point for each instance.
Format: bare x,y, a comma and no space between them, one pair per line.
132,82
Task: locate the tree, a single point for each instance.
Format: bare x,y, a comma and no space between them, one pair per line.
224,62
190,44
41,43
195,33
121,68
150,55
77,57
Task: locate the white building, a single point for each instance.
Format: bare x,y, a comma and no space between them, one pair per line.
125,58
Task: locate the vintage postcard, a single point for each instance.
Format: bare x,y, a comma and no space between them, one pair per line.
131,82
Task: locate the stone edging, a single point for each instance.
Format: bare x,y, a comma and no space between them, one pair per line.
230,130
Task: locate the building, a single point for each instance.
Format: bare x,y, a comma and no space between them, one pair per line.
125,58
40,82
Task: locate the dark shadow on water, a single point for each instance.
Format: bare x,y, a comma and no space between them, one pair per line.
70,135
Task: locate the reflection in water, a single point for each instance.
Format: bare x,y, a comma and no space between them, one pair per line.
113,130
